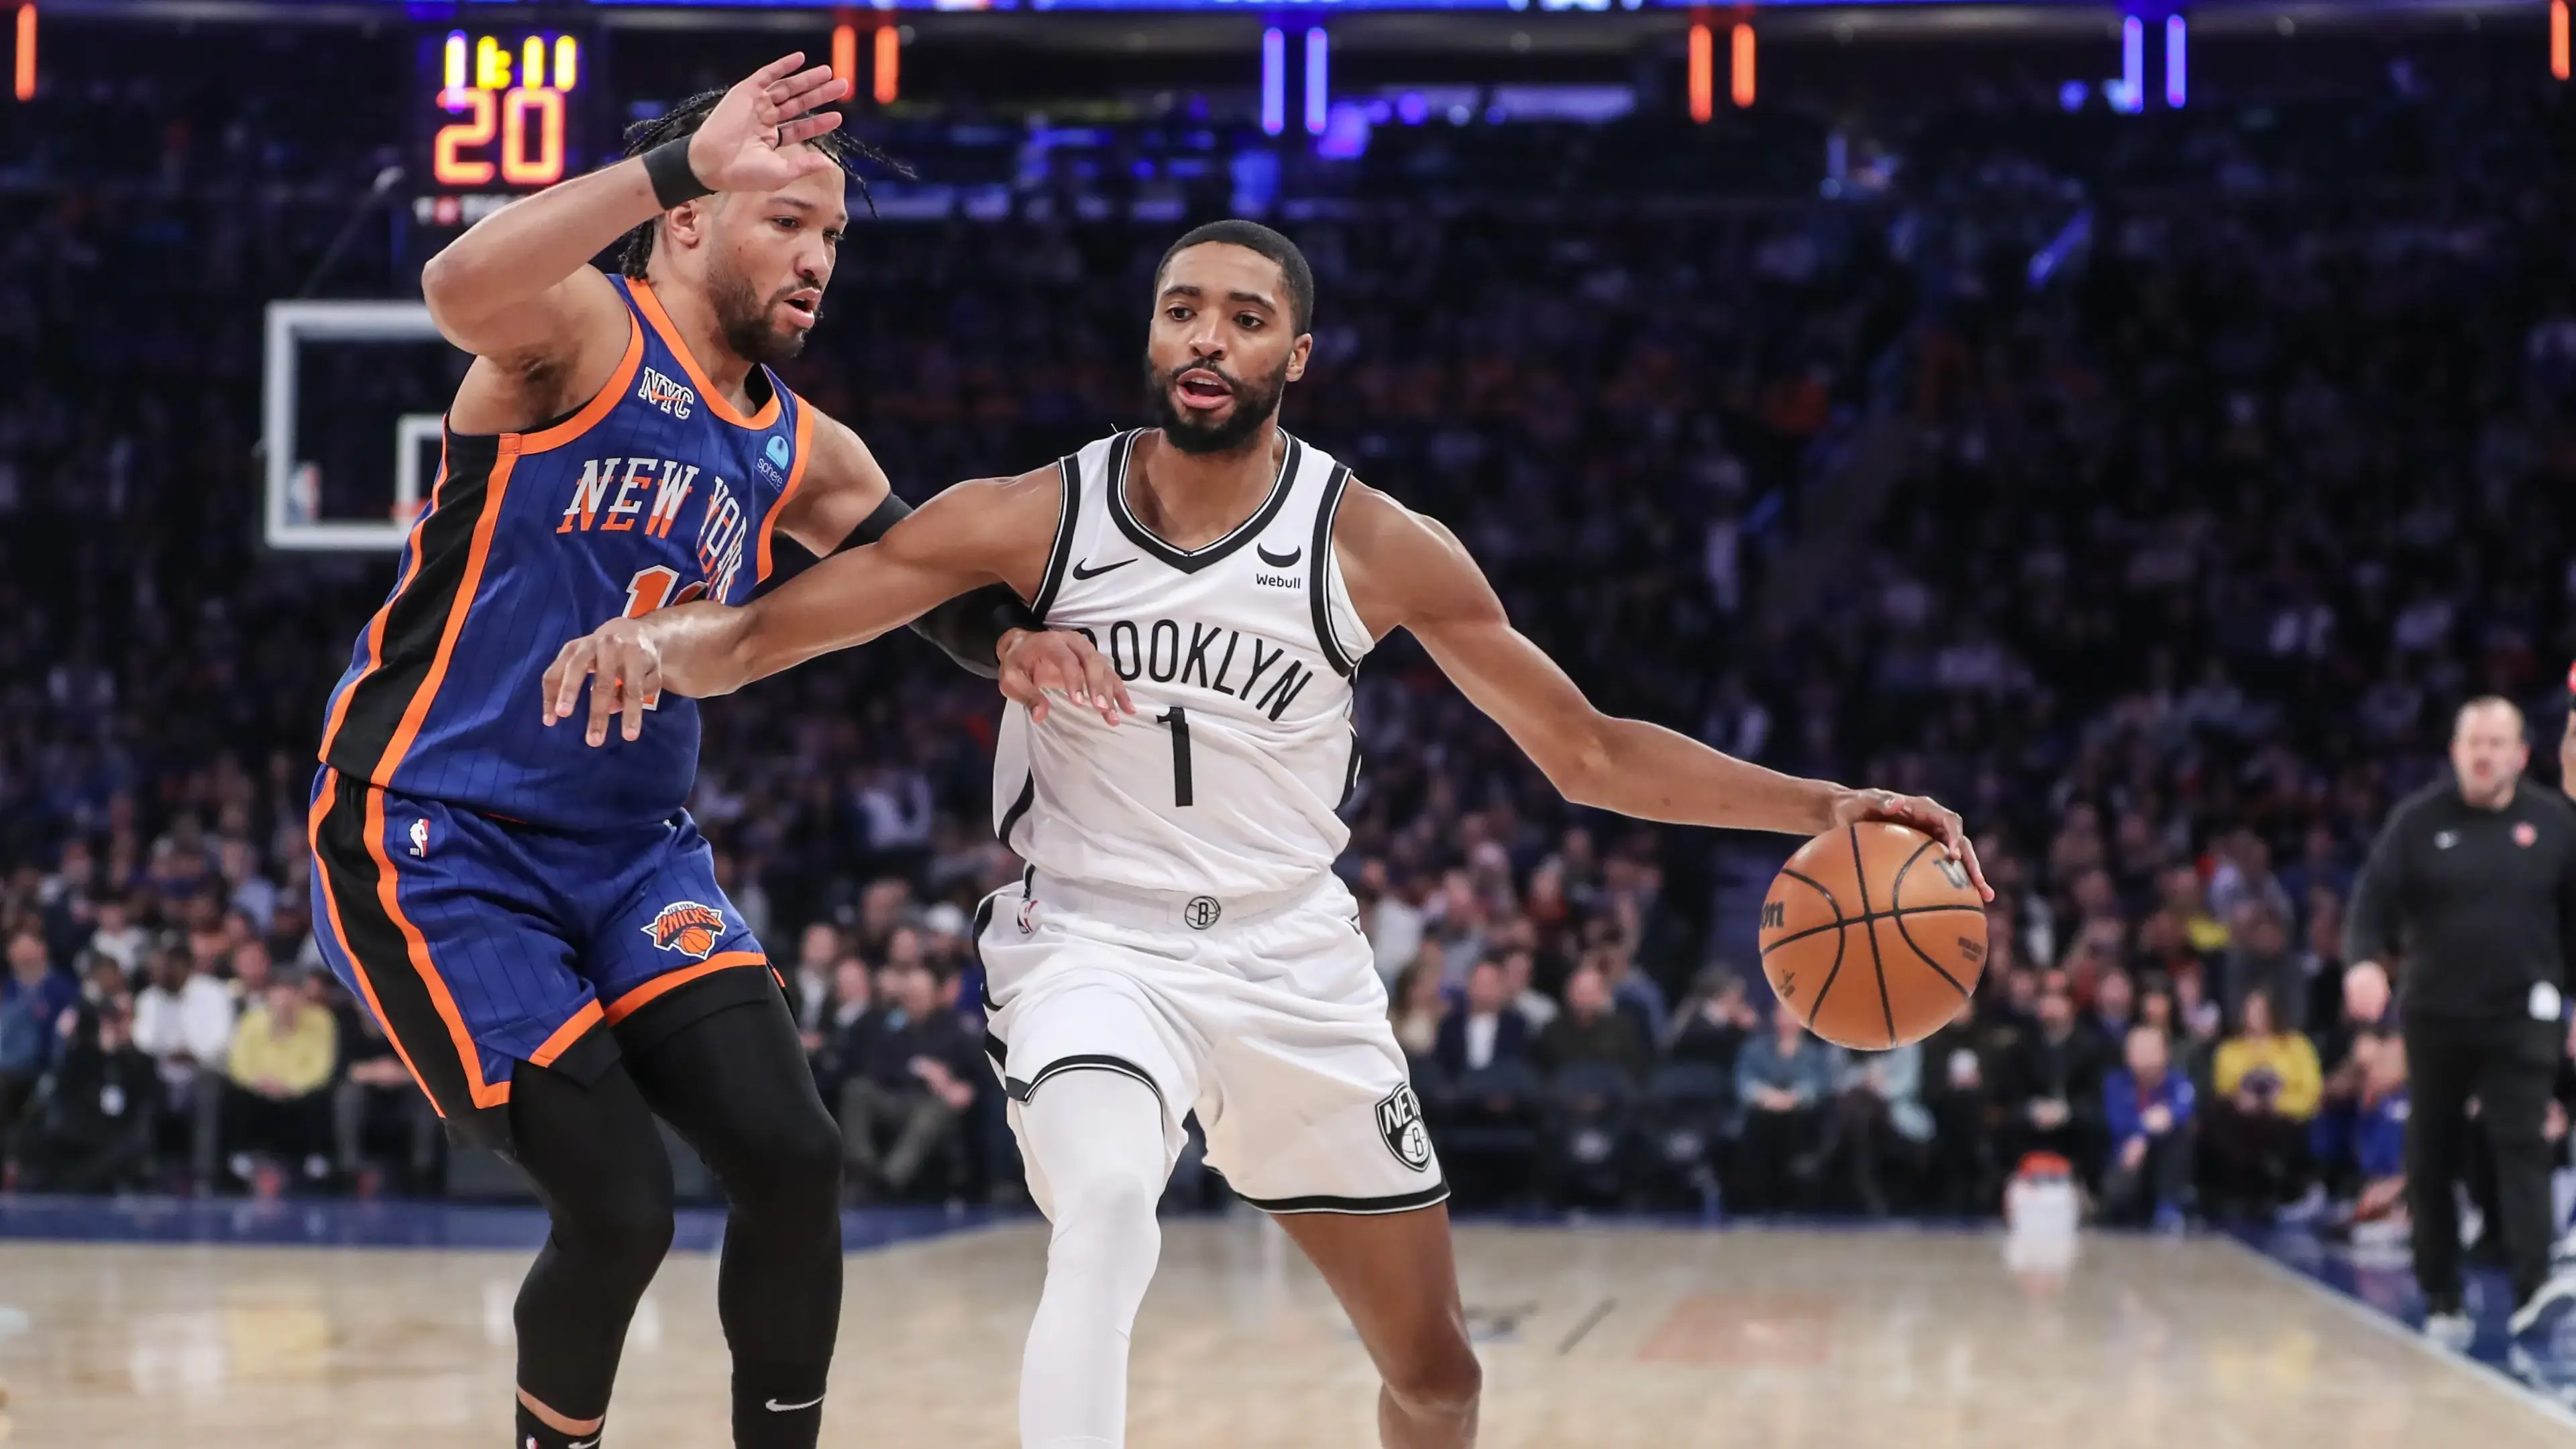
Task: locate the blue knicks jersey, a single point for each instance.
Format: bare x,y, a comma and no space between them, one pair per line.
656,492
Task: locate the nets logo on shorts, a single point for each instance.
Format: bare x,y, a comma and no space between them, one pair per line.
688,928
1399,1121
1202,912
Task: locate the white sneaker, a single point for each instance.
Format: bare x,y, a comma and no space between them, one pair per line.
2546,1306
2454,1331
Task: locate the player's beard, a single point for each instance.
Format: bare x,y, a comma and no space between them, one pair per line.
1252,407
744,316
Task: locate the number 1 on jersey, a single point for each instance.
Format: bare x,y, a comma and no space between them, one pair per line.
1179,721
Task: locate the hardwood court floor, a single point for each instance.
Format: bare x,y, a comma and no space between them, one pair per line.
1592,1337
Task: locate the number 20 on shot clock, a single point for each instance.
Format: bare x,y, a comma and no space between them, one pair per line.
498,115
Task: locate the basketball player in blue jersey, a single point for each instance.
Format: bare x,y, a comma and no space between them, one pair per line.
1180,942
536,922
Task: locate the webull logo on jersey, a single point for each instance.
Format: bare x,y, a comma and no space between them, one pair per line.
1399,1121
1211,656
688,928
672,397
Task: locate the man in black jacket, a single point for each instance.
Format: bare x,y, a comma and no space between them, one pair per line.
2473,883
2051,1081
95,1133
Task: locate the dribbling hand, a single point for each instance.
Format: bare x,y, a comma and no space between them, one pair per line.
752,140
628,664
1036,663
1923,813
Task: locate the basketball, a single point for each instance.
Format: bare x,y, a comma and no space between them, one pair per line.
1873,936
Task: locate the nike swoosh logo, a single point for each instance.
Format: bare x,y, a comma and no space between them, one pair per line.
584,1444
1082,572
1274,560
776,1407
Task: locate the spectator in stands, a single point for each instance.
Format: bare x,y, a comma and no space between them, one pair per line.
849,1031
1781,1082
2115,1001
1715,1020
2260,960
376,1100
1631,990
118,938
1484,1029
33,1002
184,1022
95,1134
1520,969
2147,1106
1420,1005
2052,1085
918,1078
2265,1090
809,986
1879,1123
1593,1030
278,1108
2358,1137
1962,1109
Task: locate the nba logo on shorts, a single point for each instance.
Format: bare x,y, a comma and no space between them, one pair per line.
420,838
688,928
1399,1121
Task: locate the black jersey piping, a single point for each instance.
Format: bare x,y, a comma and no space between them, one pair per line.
1190,561
1320,561
1068,510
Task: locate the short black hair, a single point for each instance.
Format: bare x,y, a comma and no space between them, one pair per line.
1253,236
636,249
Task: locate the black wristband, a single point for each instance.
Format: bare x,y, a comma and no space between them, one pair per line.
674,179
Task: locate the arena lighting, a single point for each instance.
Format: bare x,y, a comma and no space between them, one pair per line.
1274,81
26,70
1702,72
889,63
455,58
2557,43
567,62
845,54
2177,38
2128,94
1741,81
532,61
1318,81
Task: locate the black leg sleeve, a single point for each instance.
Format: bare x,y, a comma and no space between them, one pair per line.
736,1086
599,1167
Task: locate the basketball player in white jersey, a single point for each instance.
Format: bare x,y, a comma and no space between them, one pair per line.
1180,941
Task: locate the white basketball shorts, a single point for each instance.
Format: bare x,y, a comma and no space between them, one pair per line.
1265,1017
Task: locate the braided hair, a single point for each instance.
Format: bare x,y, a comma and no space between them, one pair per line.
846,150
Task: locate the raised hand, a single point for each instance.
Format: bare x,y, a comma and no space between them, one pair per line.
1923,813
1038,663
753,139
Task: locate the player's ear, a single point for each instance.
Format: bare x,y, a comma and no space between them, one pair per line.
1297,354
687,222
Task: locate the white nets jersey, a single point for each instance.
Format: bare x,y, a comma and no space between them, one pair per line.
1239,658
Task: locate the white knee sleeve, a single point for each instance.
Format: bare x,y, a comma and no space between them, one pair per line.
1097,1138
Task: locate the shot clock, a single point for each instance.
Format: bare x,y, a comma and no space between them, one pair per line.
496,114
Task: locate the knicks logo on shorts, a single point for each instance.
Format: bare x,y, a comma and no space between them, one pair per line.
1399,1121
688,928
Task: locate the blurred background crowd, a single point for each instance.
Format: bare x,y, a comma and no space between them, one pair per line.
2148,488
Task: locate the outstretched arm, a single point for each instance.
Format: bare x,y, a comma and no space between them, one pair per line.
1407,571
992,531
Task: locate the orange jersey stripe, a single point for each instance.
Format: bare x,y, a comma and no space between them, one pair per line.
644,995
566,1034
376,625
601,402
795,480
476,556
331,908
651,307
486,1094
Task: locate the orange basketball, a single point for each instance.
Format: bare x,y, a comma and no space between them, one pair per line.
1873,936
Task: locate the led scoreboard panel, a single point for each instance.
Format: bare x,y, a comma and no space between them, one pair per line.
496,114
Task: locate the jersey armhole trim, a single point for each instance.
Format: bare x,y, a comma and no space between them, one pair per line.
1320,562
601,402
795,478
1068,511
